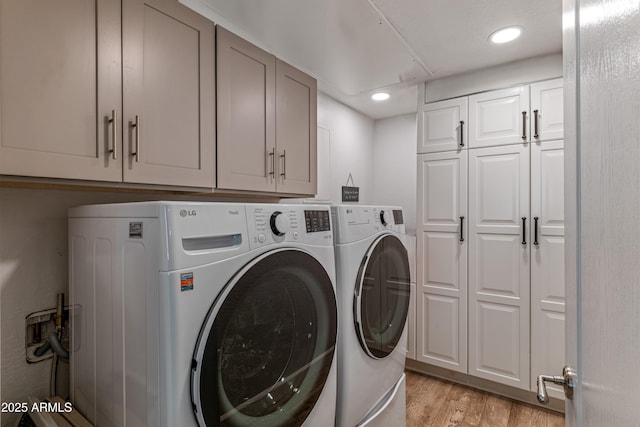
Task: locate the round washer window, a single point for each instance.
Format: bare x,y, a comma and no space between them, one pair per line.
266,348
381,301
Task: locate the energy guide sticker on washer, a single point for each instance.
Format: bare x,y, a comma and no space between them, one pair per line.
186,282
135,230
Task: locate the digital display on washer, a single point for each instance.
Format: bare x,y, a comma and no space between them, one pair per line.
317,221
397,216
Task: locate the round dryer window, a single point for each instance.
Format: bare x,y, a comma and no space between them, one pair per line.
266,347
382,292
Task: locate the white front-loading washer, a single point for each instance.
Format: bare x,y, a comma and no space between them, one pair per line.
203,314
373,290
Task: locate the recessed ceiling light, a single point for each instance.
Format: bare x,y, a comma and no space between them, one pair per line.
505,35
380,96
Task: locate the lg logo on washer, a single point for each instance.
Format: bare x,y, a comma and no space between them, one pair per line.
185,213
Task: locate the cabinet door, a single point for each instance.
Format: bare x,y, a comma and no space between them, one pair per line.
442,260
443,126
169,94
296,130
246,115
499,264
547,262
60,81
499,117
547,107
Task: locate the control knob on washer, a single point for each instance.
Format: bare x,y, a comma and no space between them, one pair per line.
279,223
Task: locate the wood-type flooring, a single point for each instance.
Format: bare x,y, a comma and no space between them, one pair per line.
436,403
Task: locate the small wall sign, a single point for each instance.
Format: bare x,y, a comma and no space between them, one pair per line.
350,193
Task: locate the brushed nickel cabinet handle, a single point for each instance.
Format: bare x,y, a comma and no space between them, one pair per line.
535,124
524,125
114,138
272,155
136,125
283,156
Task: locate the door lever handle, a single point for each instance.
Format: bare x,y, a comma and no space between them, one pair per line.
567,380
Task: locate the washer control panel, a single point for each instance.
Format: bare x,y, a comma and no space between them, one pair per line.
276,223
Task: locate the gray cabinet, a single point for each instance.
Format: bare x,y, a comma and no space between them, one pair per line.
296,130
266,121
168,116
59,82
246,114
107,91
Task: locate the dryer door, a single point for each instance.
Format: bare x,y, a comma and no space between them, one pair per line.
381,302
266,347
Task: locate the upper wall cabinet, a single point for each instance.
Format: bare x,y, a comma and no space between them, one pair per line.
266,121
547,111
71,109
59,84
499,117
168,94
443,126
246,81
296,130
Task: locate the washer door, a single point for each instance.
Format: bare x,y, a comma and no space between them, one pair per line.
266,347
381,302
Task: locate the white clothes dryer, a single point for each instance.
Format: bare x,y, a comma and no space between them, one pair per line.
203,314
373,289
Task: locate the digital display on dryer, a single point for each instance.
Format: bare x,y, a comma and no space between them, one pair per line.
397,216
317,221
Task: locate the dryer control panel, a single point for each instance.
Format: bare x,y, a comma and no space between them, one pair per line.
306,224
356,222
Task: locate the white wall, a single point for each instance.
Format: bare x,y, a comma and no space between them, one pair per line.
351,138
514,73
395,165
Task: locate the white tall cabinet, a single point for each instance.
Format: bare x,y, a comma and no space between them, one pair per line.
491,235
443,126
499,264
499,117
547,261
441,338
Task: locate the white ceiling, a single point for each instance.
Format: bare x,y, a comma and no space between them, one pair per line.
356,47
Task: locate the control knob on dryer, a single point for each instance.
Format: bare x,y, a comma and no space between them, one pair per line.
383,218
279,223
